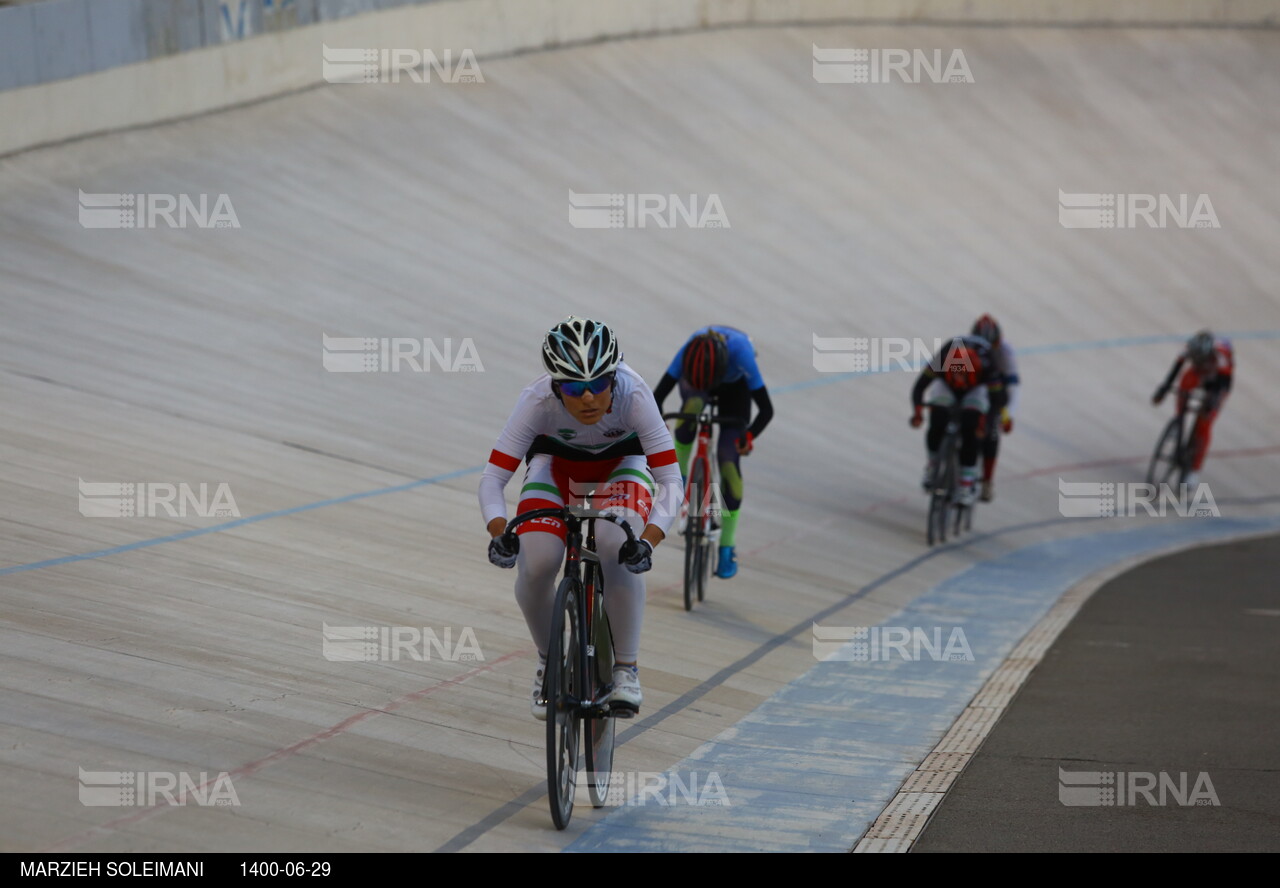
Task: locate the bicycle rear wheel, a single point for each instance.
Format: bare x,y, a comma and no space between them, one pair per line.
1167,462
695,533
599,731
563,694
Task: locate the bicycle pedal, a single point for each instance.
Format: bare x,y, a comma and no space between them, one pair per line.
621,710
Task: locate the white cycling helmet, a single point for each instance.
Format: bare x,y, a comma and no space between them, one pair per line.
580,349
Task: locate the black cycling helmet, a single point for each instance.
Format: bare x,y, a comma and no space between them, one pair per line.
1200,347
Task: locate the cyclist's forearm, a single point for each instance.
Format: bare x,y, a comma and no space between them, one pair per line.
1011,385
764,411
1173,374
917,391
668,497
492,496
653,535
999,398
665,385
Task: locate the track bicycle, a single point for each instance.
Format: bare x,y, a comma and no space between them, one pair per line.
1175,451
700,513
945,507
579,672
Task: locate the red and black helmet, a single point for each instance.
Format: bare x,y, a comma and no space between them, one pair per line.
962,368
706,359
988,329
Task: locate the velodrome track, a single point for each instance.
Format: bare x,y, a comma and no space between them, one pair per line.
189,645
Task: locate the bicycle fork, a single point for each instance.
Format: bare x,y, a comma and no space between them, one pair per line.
589,659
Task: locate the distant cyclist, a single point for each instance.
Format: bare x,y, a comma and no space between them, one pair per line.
963,371
720,362
1212,365
999,420
589,421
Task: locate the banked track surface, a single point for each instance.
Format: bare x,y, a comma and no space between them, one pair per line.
416,211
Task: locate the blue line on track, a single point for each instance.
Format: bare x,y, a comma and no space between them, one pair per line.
239,522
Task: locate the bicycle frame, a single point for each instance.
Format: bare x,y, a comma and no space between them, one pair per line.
580,549
699,528
1174,454
577,700
944,486
704,454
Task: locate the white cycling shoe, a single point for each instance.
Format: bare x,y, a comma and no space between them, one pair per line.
626,688
538,700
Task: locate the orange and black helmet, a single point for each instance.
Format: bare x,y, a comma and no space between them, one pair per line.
706,359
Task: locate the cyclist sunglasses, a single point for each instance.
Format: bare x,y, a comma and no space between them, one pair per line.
576,389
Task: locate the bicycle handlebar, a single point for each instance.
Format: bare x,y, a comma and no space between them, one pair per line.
700,417
571,515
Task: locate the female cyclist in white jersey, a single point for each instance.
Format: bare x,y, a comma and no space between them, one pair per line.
589,423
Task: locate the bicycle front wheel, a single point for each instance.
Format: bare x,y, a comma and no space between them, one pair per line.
710,534
600,730
563,694
708,553
1167,460
940,497
937,520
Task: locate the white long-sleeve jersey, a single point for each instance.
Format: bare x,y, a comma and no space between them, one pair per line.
633,426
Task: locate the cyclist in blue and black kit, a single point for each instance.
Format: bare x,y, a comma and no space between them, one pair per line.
720,362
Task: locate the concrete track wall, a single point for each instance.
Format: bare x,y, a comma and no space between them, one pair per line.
74,67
